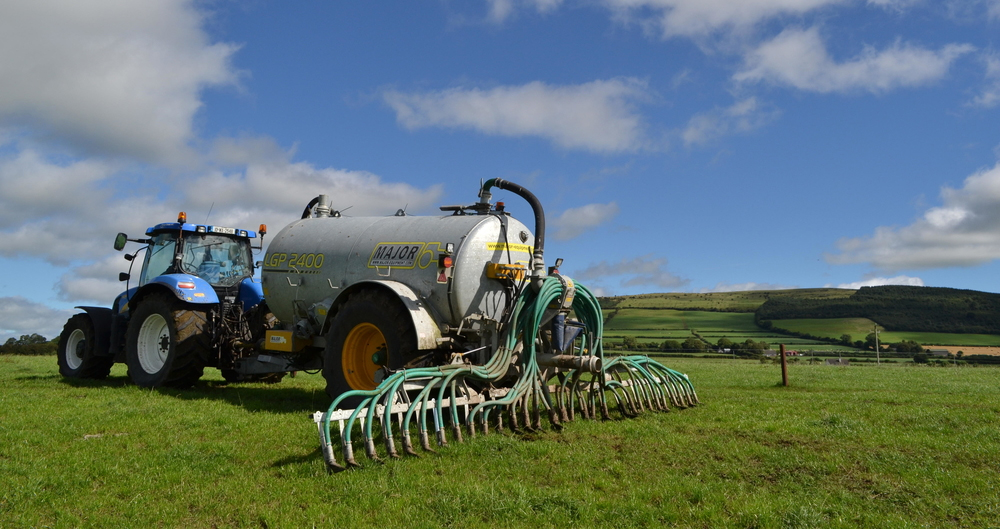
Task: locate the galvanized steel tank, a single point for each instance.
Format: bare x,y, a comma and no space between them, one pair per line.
314,260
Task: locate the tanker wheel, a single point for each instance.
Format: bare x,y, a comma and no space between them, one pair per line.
165,343
77,356
373,329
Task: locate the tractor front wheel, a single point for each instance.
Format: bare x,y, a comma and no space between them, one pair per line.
165,343
77,354
370,332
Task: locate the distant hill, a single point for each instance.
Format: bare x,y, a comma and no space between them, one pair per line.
898,308
747,301
895,308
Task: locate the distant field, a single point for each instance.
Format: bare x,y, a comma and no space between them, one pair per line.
722,301
667,324
681,319
941,338
967,349
659,317
858,328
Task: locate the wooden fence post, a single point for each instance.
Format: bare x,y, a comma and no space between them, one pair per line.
784,366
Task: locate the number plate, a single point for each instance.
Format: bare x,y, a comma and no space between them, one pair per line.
220,229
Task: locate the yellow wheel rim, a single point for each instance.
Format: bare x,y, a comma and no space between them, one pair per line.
363,342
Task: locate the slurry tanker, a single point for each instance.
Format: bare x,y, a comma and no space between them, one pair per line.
420,324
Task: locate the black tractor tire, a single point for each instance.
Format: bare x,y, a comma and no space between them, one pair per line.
371,321
166,342
233,377
77,355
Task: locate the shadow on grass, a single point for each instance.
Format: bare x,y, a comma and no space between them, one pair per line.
270,398
110,382
298,460
251,397
38,377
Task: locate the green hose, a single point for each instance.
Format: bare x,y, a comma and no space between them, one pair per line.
636,382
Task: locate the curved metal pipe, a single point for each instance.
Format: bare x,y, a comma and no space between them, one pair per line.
538,259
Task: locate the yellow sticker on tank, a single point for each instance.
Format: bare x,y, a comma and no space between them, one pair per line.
503,246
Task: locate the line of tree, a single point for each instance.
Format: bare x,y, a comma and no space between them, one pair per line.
28,344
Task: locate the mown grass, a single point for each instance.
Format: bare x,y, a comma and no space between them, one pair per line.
842,447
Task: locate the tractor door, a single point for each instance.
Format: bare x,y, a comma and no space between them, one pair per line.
160,257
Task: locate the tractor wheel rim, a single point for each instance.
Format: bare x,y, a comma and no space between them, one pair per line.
364,341
153,344
74,349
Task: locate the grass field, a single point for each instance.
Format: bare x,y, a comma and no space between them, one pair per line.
657,325
722,301
858,328
842,447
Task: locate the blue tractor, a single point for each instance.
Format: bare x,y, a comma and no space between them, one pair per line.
196,305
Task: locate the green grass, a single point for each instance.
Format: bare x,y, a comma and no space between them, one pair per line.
628,319
941,338
858,328
842,447
667,324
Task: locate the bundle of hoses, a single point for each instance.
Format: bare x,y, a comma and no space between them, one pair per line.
636,383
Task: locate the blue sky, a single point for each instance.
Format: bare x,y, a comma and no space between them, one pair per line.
677,145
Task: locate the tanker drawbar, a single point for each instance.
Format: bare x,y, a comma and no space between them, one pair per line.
430,324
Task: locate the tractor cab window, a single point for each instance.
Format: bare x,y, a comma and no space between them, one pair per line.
222,261
159,257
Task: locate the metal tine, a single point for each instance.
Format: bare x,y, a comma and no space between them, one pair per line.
390,442
536,417
327,447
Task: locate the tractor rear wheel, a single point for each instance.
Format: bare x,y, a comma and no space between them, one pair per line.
165,343
371,331
77,350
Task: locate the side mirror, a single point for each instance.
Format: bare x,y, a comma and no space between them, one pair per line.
120,241
122,276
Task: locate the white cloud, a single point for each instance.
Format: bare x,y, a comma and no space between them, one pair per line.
109,77
97,282
799,58
990,95
597,116
964,231
894,5
70,212
31,188
575,221
743,116
19,316
692,18
643,271
501,10
744,287
880,281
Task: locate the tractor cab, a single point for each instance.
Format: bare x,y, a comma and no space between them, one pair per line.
220,256
222,260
